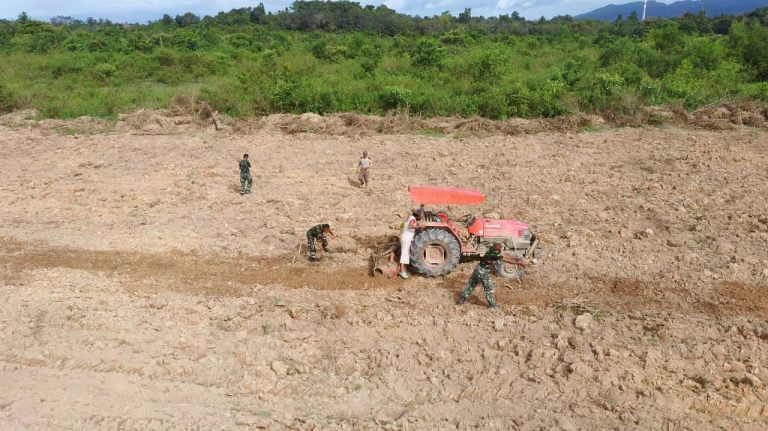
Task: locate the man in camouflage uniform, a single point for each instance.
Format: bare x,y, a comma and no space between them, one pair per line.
245,175
318,233
482,275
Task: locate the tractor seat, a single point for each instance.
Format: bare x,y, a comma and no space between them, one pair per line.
471,221
475,226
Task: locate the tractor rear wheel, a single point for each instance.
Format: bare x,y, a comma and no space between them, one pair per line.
434,252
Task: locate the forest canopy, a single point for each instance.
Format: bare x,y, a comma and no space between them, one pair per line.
326,57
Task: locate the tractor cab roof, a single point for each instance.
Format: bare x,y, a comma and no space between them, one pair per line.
438,195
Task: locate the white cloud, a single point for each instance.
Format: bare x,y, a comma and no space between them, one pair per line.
395,4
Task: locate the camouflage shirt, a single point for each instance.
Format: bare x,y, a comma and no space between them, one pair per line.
490,256
316,232
245,167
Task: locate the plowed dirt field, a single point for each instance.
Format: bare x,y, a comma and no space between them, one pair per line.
139,290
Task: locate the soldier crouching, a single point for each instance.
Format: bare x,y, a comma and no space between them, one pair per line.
315,234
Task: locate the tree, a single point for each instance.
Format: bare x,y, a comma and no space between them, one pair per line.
760,14
429,53
259,14
370,58
695,24
62,20
722,25
465,16
187,19
489,64
754,51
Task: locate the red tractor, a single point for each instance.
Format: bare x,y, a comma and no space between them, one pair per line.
440,242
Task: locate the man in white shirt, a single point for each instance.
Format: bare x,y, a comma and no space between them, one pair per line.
362,170
406,238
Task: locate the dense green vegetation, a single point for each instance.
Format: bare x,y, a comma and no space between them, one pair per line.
338,56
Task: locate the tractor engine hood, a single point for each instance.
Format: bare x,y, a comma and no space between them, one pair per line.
494,229
437,195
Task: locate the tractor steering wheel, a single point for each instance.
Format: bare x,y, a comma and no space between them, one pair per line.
466,218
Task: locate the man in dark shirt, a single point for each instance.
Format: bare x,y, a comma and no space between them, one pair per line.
245,175
482,274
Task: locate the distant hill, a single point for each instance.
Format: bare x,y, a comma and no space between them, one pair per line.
676,9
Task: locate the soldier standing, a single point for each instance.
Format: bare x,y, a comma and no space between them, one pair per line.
245,175
318,233
482,274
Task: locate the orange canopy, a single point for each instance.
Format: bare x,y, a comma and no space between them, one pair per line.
437,195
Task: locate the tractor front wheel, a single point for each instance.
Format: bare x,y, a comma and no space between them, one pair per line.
510,270
434,252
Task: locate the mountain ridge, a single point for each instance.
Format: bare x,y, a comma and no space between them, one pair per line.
673,10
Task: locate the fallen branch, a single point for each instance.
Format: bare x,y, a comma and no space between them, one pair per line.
720,102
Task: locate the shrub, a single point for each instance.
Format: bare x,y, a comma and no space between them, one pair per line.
370,58
756,91
105,71
489,64
226,97
704,53
7,99
683,85
549,103
518,99
322,50
454,38
284,95
574,70
394,98
653,92
186,39
239,40
428,54
492,104
166,57
630,73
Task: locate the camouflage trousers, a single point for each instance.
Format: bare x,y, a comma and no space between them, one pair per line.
311,240
245,183
481,275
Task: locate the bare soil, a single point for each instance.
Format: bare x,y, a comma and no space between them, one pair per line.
139,290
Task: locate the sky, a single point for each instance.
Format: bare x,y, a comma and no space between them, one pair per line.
143,11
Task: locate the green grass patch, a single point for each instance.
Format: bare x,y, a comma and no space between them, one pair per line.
432,133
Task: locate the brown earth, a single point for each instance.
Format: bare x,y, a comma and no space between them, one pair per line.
139,290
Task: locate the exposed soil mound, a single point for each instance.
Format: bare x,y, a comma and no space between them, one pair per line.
354,124
186,114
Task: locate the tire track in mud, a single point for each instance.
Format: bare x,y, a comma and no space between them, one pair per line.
200,274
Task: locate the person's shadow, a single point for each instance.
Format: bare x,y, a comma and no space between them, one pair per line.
353,181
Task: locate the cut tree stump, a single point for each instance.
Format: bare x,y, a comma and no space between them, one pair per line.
207,112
